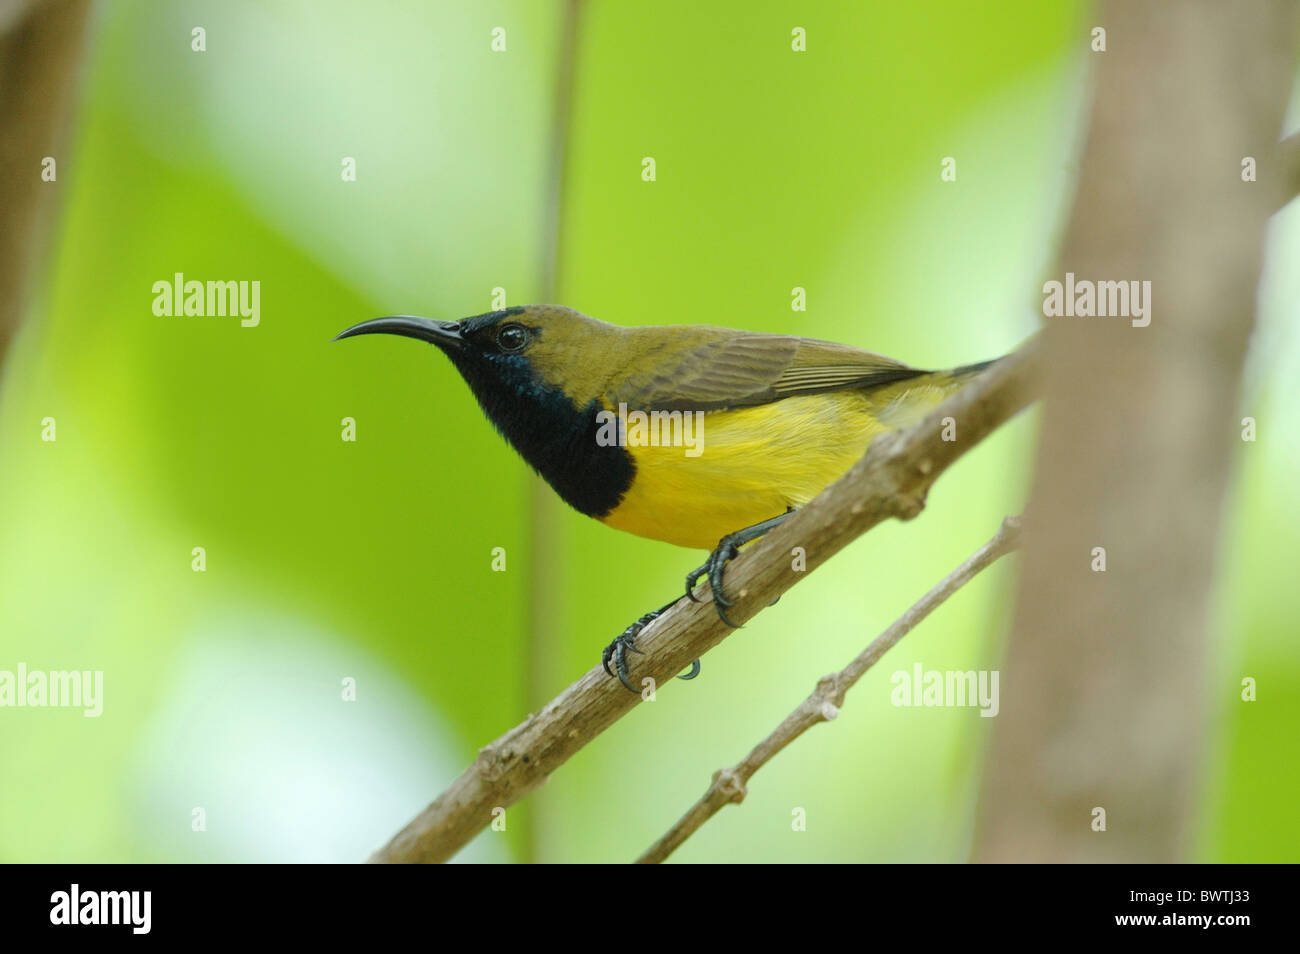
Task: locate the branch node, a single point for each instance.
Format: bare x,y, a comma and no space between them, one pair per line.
828,697
906,506
491,764
728,782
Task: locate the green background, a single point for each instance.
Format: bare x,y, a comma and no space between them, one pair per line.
372,560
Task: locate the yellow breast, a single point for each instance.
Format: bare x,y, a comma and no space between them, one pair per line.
758,462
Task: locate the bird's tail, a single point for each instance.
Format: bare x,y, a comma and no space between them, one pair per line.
903,403
968,369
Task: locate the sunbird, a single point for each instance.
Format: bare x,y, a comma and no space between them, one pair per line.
695,435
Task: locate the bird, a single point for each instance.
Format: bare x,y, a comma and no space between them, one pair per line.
695,435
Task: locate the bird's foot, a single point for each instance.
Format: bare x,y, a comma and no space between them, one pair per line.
626,642
713,567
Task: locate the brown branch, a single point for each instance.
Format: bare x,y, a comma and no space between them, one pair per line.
826,700
40,54
891,480
1096,752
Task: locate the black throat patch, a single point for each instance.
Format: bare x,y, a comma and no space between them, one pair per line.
549,431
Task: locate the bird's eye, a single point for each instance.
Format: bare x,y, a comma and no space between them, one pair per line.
512,338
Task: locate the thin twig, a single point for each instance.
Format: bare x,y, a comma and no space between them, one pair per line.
891,480
826,700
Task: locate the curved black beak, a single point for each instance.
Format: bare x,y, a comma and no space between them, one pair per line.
444,334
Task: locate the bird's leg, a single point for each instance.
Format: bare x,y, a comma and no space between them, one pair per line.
626,642
726,550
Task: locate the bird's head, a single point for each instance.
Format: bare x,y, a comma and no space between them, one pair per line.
540,373
524,352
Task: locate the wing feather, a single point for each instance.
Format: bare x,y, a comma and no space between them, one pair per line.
741,369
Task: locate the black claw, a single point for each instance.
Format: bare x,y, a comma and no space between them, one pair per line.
714,568
622,645
620,663
728,549
691,579
717,565
626,643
